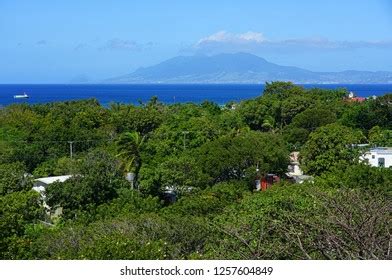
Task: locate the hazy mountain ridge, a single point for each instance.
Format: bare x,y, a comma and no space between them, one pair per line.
241,68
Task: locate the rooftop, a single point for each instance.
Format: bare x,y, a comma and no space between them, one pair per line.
50,180
382,150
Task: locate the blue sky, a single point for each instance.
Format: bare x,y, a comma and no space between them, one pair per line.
49,41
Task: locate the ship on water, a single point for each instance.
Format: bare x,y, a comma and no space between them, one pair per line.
18,96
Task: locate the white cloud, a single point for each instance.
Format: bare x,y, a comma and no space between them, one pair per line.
226,37
250,41
252,36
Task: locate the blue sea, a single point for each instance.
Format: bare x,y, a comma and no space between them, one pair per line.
133,94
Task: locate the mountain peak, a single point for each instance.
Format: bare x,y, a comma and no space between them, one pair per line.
239,67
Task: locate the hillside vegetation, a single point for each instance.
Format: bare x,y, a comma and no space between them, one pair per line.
208,154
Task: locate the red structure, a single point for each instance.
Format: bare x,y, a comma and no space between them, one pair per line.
356,99
352,98
266,182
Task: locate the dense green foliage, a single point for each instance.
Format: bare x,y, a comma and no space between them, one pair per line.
330,146
13,178
209,157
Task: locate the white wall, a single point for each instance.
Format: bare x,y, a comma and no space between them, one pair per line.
373,157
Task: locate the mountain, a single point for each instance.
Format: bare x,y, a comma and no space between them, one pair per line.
240,68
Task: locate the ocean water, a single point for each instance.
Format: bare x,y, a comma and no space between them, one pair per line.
106,94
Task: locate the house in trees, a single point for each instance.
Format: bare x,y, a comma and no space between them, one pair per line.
352,98
295,173
294,168
378,157
41,184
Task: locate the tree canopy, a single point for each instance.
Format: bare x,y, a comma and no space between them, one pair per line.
208,156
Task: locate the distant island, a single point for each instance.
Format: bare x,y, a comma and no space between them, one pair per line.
241,68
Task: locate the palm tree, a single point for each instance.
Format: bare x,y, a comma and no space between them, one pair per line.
128,148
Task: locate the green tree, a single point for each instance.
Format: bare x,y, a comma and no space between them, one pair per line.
313,118
129,148
228,157
361,177
181,173
282,89
380,137
98,183
13,178
293,106
17,211
304,123
303,222
369,114
143,119
328,147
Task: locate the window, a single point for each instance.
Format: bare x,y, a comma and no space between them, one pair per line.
373,156
381,162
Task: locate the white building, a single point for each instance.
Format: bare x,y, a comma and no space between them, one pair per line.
41,184
379,157
295,172
294,168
